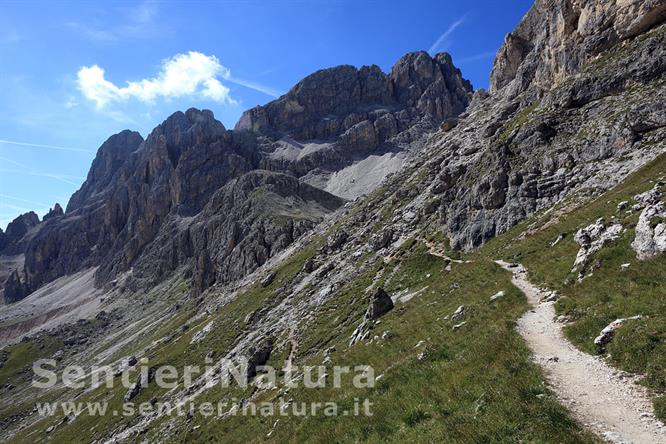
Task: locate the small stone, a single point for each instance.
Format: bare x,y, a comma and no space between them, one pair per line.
557,240
497,295
458,326
268,280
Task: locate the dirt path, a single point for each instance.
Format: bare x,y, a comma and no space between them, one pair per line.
605,400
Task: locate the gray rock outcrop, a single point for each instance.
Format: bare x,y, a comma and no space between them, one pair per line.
650,240
592,238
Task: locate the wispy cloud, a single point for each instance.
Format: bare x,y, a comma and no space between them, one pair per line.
18,199
15,207
64,178
27,170
443,40
475,57
256,86
93,32
39,145
136,22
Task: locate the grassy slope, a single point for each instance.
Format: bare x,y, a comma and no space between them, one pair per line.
609,293
476,384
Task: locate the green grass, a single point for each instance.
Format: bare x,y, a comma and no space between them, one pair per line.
476,384
18,367
609,293
520,119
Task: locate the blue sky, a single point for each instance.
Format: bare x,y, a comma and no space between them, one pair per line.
73,73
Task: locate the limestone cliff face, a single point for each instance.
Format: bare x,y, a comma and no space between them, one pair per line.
575,105
132,187
557,37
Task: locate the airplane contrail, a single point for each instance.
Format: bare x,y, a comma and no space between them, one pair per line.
39,145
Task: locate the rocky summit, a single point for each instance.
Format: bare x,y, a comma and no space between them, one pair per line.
471,247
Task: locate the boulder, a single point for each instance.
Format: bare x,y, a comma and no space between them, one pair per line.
650,197
608,333
592,238
650,240
382,239
309,265
380,304
337,240
459,313
132,391
268,279
258,355
499,294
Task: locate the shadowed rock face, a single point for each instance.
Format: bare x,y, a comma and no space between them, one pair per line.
111,156
18,232
132,187
54,212
244,224
20,226
576,104
329,102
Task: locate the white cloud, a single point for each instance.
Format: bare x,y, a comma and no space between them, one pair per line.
182,75
442,39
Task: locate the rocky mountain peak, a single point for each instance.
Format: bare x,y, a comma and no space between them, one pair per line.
13,239
181,131
111,156
54,212
192,120
328,102
20,225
